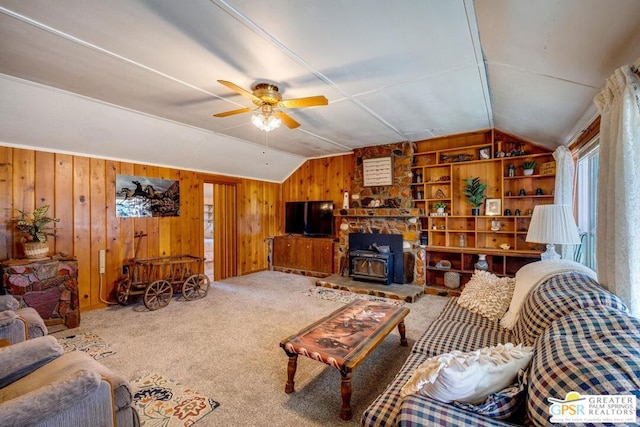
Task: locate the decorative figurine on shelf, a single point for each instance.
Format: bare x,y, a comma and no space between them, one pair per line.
507,212
418,176
495,225
517,212
461,241
511,171
505,246
522,192
539,192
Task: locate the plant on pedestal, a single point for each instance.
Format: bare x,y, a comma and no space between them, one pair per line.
474,190
38,228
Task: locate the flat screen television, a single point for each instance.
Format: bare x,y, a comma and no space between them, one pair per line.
312,218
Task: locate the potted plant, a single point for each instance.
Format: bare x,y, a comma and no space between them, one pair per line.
439,207
474,190
38,228
528,166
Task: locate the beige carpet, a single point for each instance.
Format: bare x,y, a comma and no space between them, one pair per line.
226,346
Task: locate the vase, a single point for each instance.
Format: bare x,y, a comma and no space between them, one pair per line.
440,210
475,211
34,250
528,172
482,263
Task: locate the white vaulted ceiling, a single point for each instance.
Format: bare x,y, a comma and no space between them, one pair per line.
137,79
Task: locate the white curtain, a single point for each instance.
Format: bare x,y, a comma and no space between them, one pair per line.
618,212
563,193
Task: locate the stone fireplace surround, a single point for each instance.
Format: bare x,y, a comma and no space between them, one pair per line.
396,214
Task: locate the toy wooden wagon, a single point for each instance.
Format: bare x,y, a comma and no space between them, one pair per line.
158,278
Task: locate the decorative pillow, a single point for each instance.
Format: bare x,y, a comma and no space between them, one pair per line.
487,294
468,377
504,404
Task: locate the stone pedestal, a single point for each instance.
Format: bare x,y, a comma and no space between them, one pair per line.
50,286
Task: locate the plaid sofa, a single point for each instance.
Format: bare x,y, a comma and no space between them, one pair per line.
584,341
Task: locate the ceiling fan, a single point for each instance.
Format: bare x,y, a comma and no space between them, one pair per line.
267,98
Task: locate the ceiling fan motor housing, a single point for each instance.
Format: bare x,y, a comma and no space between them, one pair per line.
268,93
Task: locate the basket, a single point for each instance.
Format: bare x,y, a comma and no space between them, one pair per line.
452,279
35,250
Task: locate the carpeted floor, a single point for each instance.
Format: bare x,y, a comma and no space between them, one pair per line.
226,346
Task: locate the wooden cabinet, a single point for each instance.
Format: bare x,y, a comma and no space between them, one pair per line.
313,254
440,169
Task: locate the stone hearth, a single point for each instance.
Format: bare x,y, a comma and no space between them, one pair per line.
406,293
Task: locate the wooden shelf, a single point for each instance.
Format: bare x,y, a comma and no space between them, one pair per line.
443,231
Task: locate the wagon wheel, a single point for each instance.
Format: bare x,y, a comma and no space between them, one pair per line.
196,286
158,295
122,291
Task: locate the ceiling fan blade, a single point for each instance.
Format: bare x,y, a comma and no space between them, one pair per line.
241,91
288,121
232,112
304,102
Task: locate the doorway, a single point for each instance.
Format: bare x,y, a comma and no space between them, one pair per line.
219,230
208,230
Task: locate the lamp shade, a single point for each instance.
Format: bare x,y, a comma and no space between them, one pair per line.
553,224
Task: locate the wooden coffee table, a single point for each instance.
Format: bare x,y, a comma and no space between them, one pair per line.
343,340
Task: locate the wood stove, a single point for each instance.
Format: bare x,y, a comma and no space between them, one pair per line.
371,265
367,263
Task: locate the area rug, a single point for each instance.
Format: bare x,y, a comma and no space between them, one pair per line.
346,296
164,402
88,342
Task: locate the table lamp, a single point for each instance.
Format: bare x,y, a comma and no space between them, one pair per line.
552,224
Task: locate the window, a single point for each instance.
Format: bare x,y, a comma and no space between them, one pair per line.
587,198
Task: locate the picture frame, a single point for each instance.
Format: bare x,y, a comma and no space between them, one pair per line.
484,153
378,171
493,207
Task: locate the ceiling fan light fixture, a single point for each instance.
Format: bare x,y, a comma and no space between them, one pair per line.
266,122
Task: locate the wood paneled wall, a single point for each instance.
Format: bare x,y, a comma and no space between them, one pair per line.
81,192
320,179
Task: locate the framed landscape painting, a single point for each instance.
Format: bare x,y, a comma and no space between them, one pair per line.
139,196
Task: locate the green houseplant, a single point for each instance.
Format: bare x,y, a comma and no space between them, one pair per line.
439,206
38,227
528,167
474,190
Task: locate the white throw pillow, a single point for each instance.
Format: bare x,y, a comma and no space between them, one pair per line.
487,294
468,377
